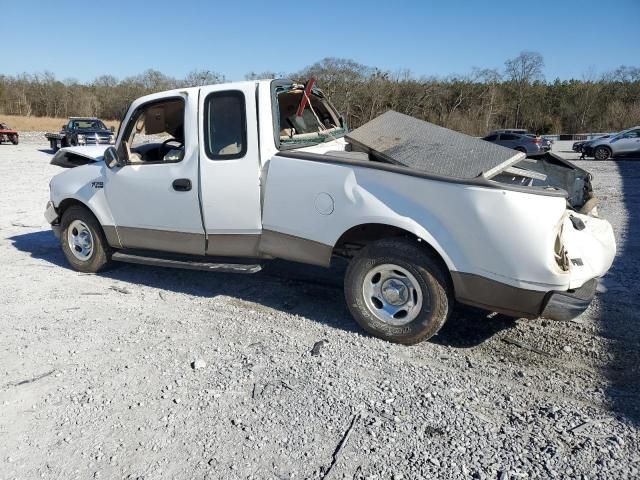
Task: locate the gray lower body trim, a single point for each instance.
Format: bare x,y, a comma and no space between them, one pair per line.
161,240
269,244
289,247
112,236
233,245
488,294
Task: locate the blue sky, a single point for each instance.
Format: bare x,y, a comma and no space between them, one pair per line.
84,39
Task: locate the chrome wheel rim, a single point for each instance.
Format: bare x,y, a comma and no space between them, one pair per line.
80,240
392,294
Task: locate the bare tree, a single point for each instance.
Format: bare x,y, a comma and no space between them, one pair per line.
198,78
522,71
474,103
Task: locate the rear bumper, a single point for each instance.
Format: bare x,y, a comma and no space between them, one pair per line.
569,304
519,302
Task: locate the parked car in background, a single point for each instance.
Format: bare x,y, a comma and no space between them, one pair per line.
545,141
623,144
519,131
525,143
578,147
81,131
7,134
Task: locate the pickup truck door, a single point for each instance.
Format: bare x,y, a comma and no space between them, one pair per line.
230,169
155,203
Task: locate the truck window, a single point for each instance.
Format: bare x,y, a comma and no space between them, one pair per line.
225,125
155,133
319,121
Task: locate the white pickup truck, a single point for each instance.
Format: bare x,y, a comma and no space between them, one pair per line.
226,177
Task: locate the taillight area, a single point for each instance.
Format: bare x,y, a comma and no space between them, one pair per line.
559,250
537,140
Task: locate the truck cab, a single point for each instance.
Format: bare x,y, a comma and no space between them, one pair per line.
189,164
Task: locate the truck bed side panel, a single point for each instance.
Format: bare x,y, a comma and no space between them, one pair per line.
482,231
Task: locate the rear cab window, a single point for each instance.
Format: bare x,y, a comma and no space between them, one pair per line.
319,122
225,125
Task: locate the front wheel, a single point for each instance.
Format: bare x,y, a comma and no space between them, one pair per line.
398,291
14,139
83,241
601,153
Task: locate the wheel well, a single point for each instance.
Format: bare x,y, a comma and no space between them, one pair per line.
358,237
68,202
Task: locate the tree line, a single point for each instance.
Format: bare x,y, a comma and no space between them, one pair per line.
517,96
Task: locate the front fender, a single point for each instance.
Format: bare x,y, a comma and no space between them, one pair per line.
85,185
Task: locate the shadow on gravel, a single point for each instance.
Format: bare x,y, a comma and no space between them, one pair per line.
469,327
619,318
313,292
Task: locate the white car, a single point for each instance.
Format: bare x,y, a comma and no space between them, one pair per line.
226,177
621,144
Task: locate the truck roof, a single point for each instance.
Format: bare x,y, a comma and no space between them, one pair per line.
188,90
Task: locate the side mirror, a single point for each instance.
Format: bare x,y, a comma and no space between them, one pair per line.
113,129
111,158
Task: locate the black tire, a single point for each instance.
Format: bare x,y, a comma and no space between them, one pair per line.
54,145
14,140
432,281
100,256
602,153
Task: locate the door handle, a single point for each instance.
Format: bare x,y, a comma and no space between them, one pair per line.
182,185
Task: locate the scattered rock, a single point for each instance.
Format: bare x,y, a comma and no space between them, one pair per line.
198,363
315,351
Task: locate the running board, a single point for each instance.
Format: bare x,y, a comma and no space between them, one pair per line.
187,264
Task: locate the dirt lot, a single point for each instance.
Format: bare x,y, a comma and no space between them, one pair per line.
96,377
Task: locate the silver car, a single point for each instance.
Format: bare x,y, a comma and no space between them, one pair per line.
531,145
624,143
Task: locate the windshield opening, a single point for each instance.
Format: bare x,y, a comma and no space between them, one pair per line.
319,122
92,124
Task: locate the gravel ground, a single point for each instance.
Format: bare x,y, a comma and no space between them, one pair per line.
153,373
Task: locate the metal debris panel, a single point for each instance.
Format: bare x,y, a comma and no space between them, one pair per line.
404,140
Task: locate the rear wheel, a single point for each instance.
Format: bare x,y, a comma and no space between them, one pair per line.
398,291
602,153
14,139
83,241
53,143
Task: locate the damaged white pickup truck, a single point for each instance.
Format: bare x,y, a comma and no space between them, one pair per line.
226,177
